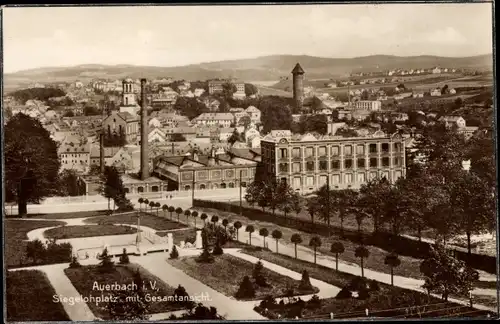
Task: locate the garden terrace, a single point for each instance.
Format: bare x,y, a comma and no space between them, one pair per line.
389,301
21,287
79,231
226,273
149,220
83,279
15,239
381,241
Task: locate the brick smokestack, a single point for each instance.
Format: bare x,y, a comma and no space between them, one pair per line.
144,133
101,151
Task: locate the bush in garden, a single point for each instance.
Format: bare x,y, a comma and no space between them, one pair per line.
106,264
246,289
258,275
217,249
74,263
305,282
174,254
344,293
314,302
124,257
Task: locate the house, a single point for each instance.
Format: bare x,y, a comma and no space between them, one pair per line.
240,90
122,123
216,86
225,133
398,116
187,93
453,121
255,114
468,131
251,132
436,70
154,122
74,156
95,154
452,91
403,95
332,85
436,92
239,115
198,92
156,135
219,119
212,104
418,94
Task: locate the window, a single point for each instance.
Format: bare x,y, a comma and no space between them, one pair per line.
336,179
348,164
396,161
231,185
154,188
348,178
397,175
385,175
385,161
360,149
335,164
335,151
310,181
373,175
323,165
322,151
322,180
361,163
373,162
309,152
244,184
188,187
283,153
373,148
223,185
297,182
283,167
140,189
361,177
385,147
296,152
348,150
296,167
397,147
310,166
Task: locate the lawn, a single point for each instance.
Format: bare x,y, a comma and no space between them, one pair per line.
387,298
82,214
226,273
409,266
78,231
84,278
15,236
149,220
30,298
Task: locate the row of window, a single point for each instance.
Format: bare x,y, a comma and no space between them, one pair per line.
72,155
72,162
336,179
216,186
216,174
335,150
336,164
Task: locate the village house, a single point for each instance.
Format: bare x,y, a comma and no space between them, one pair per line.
450,121
219,119
74,156
198,92
436,92
122,122
254,113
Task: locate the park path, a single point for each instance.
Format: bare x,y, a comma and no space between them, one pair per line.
78,311
226,306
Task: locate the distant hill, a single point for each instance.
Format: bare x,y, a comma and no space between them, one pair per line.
266,68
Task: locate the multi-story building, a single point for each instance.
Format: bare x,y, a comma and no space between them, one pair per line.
213,171
211,119
370,105
122,122
74,157
215,86
307,162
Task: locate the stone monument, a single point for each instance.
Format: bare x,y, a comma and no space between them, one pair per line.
198,242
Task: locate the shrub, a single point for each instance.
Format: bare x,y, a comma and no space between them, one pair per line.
217,249
124,257
305,282
344,293
268,302
205,256
174,254
106,263
74,263
182,297
258,276
314,302
246,289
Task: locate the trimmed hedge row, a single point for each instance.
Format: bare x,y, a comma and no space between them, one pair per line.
387,241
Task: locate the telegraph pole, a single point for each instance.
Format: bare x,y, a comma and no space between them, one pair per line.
241,202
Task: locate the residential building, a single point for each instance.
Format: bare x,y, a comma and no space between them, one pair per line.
255,114
371,105
240,90
418,94
74,156
436,70
216,86
211,119
198,92
307,162
118,122
213,171
436,92
451,121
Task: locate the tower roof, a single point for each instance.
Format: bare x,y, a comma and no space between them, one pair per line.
298,69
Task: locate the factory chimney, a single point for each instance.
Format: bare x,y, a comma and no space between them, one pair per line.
144,133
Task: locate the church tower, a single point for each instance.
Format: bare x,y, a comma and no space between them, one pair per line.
298,86
128,96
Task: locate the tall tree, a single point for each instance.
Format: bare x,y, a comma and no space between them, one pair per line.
111,185
31,162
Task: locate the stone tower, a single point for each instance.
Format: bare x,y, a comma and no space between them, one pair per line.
128,95
298,86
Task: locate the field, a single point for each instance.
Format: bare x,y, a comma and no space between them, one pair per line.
78,231
15,239
29,297
226,273
70,215
84,278
149,220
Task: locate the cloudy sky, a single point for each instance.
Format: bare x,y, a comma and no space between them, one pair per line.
171,36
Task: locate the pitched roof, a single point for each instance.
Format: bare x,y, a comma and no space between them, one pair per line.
298,69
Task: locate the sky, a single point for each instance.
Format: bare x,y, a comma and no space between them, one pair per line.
181,35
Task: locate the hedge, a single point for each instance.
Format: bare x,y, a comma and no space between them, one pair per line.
387,241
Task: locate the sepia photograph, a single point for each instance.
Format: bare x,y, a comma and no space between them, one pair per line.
272,162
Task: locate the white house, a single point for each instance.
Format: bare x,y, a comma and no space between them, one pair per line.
154,122
254,113
436,92
453,120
